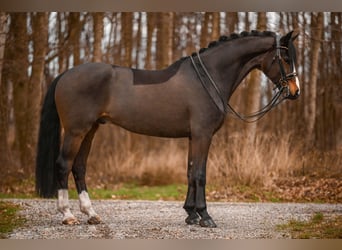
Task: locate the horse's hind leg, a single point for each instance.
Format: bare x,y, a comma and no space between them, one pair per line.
79,171
70,148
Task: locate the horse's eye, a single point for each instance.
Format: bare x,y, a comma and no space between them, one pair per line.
286,59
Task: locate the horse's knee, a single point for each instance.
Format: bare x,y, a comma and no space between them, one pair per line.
63,168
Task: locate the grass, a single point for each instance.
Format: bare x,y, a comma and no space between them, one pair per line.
168,192
28,195
9,219
136,192
318,227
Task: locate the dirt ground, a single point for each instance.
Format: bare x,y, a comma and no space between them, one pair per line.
164,220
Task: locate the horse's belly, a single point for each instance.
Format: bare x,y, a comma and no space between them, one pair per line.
161,125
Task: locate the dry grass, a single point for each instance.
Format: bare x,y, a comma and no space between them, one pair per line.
241,160
275,165
119,156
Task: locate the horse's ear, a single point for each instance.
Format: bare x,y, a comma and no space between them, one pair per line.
294,37
285,39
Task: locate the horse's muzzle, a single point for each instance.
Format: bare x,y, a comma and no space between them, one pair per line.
293,89
293,96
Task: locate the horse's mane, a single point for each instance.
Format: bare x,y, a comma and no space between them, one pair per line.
234,36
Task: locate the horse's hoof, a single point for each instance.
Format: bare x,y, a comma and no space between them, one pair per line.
94,220
192,219
208,222
71,221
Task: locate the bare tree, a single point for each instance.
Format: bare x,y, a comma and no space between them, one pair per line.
98,34
138,40
253,96
216,29
3,27
231,21
4,100
34,90
127,36
75,28
19,78
62,52
204,29
317,21
164,39
150,29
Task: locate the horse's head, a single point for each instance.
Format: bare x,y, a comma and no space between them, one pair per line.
279,64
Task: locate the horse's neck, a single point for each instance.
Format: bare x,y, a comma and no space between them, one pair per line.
233,62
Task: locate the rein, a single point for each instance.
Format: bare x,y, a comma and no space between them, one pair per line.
216,94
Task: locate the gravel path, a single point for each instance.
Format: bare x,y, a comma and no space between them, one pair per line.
164,220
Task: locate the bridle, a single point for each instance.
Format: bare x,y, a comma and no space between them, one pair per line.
216,95
284,78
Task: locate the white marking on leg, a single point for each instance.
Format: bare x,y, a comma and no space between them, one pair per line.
63,206
85,204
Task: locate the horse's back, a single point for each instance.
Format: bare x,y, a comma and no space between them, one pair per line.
89,75
82,92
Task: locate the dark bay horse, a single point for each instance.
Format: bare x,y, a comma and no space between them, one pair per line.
187,99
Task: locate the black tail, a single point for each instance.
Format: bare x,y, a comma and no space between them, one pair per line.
48,145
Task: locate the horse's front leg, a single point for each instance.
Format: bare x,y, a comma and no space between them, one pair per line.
189,206
196,200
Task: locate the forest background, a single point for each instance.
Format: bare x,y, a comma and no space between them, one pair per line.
294,151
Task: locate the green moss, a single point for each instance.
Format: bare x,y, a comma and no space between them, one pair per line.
9,219
319,227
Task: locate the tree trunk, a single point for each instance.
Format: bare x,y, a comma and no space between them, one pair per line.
216,29
150,30
298,109
138,41
62,57
317,21
253,96
75,27
127,35
165,27
40,39
166,43
18,29
98,34
159,41
247,22
188,34
177,22
204,30
3,27
232,20
4,99
327,120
